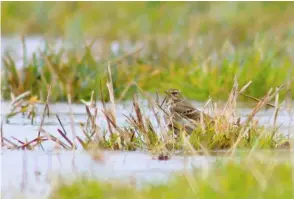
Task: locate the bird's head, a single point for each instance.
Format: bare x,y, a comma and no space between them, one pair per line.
173,94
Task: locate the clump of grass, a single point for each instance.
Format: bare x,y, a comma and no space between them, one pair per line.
225,132
260,176
24,104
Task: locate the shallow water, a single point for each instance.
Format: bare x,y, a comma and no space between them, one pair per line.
32,172
38,169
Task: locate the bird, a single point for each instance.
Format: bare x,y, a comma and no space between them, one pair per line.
182,112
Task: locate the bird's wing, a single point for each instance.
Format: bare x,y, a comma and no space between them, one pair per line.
185,108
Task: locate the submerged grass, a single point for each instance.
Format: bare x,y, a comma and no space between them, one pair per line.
260,176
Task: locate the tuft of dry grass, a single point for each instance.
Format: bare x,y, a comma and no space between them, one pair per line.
226,132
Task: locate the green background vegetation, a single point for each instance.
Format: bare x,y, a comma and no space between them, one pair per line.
197,47
257,177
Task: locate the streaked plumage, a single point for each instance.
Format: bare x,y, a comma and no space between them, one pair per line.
181,111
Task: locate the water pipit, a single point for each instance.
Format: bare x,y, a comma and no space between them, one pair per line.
182,112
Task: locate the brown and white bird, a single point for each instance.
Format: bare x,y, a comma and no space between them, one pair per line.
181,111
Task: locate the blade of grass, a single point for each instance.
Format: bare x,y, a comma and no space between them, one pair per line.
2,134
21,142
61,125
256,99
65,137
71,119
84,145
20,97
46,108
10,142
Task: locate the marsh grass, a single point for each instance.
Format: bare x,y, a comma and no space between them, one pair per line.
197,47
226,132
138,19
21,105
197,79
260,176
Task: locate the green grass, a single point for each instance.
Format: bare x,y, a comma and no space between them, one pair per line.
197,80
197,47
239,20
255,177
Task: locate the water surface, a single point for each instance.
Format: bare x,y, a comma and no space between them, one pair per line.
31,173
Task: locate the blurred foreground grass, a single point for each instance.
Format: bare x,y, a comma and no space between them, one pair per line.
254,177
197,47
